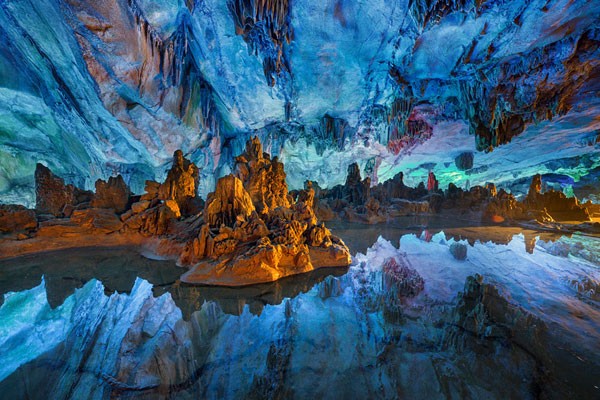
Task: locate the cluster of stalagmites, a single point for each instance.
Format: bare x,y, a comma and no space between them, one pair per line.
255,230
358,201
250,229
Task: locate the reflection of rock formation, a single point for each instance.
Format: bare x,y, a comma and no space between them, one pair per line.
358,237
480,343
399,282
190,298
483,311
67,270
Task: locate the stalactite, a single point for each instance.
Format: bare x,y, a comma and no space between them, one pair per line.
332,132
179,68
266,28
430,12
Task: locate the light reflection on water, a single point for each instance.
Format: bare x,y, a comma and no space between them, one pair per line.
329,334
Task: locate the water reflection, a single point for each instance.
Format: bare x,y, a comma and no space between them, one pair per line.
503,323
359,237
190,298
65,271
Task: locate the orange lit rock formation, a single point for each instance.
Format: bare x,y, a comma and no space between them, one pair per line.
249,231
253,231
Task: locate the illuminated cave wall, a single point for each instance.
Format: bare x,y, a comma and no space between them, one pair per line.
95,88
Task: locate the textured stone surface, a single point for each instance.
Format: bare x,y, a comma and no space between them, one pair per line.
181,182
263,177
229,201
254,232
113,193
459,251
15,218
51,193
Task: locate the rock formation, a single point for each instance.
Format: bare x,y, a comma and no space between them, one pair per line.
391,199
556,204
545,207
14,218
249,231
113,193
357,201
53,197
228,203
263,177
180,185
432,183
253,231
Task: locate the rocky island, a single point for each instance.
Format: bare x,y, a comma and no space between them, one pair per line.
250,230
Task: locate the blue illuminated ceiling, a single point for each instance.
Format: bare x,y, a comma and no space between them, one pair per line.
94,88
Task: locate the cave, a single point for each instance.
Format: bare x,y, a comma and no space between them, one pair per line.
291,199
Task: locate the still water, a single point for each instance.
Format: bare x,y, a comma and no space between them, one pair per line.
518,317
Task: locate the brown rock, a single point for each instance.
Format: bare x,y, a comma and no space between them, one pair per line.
250,228
51,193
173,208
319,236
98,218
126,215
307,196
153,221
263,178
140,206
112,194
22,236
556,204
151,190
262,236
14,218
229,200
181,181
